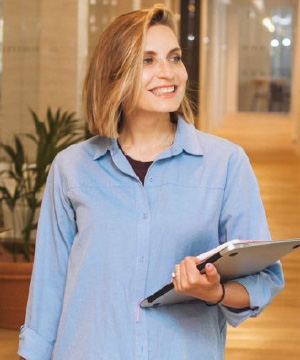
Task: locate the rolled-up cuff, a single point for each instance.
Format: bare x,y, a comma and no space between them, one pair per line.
261,288
235,317
32,346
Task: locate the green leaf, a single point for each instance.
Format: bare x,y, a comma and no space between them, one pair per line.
32,137
10,174
19,159
5,194
59,130
9,151
40,127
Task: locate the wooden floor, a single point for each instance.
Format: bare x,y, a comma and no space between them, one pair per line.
275,335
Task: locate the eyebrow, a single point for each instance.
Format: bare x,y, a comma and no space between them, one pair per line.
150,52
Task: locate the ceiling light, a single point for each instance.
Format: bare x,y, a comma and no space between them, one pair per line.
267,22
274,43
286,42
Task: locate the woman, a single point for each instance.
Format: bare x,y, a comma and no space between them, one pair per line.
125,209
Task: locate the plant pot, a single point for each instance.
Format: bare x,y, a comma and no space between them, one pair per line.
8,246
14,285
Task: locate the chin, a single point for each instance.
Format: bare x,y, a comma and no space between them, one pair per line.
159,106
166,107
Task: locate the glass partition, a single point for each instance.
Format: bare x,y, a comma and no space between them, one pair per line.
265,53
250,50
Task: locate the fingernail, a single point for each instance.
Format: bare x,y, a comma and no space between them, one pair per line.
209,266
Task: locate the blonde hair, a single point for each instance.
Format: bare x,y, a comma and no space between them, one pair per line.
114,74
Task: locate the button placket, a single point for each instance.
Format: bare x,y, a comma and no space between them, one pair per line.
143,244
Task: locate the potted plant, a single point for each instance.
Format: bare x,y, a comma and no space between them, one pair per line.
21,187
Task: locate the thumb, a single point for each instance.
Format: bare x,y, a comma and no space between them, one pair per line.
212,274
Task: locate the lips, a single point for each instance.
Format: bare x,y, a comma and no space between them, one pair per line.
164,90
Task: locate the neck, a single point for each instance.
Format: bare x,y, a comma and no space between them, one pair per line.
144,137
145,129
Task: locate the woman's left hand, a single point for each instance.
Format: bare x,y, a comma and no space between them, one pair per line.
189,281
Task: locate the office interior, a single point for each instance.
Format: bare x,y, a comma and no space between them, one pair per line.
243,59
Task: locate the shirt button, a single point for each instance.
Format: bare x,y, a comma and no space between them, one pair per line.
142,259
145,216
151,179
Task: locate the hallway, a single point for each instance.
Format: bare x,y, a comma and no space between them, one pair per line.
276,333
267,140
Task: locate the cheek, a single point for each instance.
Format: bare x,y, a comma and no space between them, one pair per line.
146,78
183,75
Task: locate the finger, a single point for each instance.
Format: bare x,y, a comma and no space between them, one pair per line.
197,261
175,284
176,279
193,259
193,274
183,275
212,274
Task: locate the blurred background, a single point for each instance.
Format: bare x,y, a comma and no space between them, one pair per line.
243,60
242,53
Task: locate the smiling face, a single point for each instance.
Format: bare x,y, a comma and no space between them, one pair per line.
164,75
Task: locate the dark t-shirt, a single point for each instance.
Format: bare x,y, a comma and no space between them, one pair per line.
139,167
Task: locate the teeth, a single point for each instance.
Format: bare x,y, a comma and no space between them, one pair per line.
164,90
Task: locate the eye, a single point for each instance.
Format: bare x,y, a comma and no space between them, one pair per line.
176,58
148,61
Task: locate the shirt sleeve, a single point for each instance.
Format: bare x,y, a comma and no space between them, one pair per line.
55,234
243,217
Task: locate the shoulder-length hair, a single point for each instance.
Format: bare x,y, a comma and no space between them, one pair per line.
114,74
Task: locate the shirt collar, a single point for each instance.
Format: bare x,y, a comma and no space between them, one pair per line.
186,138
102,145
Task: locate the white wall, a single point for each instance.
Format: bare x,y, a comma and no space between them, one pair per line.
20,66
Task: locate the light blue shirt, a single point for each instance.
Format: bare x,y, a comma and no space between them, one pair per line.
105,242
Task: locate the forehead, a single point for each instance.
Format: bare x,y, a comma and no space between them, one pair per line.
160,37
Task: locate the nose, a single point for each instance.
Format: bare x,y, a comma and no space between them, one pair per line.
164,70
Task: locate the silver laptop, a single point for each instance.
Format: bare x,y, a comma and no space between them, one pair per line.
233,260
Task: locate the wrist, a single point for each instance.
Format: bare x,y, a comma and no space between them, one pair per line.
218,295
218,298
